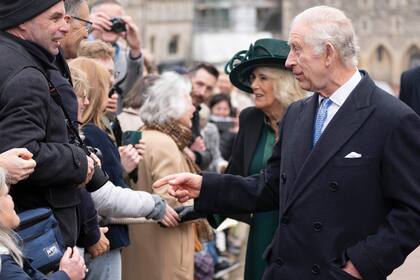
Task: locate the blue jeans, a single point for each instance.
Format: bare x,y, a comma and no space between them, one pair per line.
106,267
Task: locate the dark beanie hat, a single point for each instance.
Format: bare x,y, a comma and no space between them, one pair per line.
15,12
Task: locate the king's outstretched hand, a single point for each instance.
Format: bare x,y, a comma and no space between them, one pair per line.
182,186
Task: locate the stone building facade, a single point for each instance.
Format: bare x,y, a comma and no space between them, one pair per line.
388,31
165,27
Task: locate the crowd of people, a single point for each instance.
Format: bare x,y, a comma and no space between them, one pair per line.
292,139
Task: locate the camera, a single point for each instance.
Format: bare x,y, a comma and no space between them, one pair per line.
96,151
118,25
99,176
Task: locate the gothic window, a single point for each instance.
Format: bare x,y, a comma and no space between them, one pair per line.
380,53
413,56
173,44
381,64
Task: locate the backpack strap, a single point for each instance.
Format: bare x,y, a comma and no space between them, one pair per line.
55,94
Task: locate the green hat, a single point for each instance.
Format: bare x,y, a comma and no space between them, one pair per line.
264,52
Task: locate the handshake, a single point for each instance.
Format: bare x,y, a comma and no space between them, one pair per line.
187,213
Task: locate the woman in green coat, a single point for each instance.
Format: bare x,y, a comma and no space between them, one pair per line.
260,71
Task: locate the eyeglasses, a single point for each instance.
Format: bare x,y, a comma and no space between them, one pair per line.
87,24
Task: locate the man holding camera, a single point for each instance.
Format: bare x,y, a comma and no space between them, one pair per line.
30,116
109,25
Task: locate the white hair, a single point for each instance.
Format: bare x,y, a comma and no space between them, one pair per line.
330,25
166,100
8,239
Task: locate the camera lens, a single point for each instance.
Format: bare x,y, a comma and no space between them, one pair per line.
118,25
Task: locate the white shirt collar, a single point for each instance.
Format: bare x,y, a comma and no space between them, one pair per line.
341,94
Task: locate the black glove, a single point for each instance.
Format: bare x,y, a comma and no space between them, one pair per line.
187,213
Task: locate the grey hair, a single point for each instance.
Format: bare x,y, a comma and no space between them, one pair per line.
8,239
166,101
330,25
72,6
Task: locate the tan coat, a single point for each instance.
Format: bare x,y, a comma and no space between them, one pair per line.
159,253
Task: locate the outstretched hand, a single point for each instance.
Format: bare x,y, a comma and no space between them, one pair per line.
182,186
18,164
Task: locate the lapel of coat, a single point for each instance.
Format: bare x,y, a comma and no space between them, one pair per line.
251,140
304,128
349,118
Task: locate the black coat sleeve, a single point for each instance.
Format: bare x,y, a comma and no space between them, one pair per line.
410,89
89,231
405,88
230,194
27,121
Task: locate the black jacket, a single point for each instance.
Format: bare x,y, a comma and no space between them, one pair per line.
332,207
251,122
111,163
30,118
410,88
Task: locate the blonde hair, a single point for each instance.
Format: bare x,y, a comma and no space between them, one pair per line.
97,49
80,81
286,87
100,80
8,238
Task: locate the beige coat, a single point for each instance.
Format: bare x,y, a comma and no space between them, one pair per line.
159,253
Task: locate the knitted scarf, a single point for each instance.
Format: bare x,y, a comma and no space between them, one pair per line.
182,137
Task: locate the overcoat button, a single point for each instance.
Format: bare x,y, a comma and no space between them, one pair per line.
279,261
334,186
285,220
317,226
316,269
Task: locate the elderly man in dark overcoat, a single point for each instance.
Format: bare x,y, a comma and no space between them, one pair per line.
344,173
30,31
